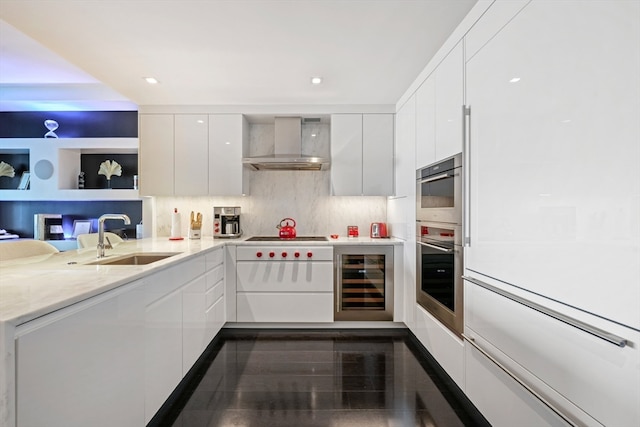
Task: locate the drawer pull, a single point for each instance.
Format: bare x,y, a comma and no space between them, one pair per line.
506,370
578,324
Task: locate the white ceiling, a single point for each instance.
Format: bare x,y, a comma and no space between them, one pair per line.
216,52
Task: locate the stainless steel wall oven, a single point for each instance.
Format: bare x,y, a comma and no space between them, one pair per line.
439,287
439,272
439,191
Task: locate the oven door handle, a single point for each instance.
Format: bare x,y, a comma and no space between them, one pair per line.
440,248
436,178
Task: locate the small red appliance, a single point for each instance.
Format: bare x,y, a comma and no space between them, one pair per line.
378,230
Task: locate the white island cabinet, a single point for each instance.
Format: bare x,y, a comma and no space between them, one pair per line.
84,365
555,201
113,359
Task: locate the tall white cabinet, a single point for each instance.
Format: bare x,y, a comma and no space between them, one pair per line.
555,183
362,154
555,202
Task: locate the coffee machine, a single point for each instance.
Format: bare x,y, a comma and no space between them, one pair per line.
47,227
226,222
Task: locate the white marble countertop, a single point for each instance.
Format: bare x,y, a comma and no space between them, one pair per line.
34,286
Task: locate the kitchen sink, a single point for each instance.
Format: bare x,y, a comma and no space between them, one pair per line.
141,258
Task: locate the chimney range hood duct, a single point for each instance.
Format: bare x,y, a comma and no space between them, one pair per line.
288,150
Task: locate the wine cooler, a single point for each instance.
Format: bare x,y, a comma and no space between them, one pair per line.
363,282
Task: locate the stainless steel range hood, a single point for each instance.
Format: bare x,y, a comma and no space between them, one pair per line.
288,150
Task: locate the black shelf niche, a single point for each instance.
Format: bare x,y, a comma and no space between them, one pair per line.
19,159
90,164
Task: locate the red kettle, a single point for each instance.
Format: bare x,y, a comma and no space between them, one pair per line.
287,231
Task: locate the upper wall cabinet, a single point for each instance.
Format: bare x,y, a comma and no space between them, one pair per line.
425,99
228,144
439,116
156,154
405,164
449,102
190,151
362,148
192,154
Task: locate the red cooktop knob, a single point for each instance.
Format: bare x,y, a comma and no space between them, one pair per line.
272,254
309,254
259,254
284,254
296,254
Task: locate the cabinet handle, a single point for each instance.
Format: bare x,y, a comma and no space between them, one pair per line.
436,178
440,248
466,175
506,370
578,324
338,267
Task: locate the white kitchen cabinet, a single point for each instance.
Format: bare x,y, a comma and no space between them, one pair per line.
439,119
162,341
156,154
440,342
215,315
84,365
377,154
425,99
346,154
405,151
191,152
449,86
228,144
500,399
574,360
285,307
493,19
194,322
274,285
555,183
362,154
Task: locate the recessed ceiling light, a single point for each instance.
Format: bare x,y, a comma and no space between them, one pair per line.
316,80
514,80
151,80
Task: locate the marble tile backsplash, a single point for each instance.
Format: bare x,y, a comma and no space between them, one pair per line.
274,195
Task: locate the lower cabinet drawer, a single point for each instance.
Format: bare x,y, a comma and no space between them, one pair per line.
502,401
285,307
561,354
215,319
214,293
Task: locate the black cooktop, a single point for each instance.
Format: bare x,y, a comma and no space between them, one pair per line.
297,239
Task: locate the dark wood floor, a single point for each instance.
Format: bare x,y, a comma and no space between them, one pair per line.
317,378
